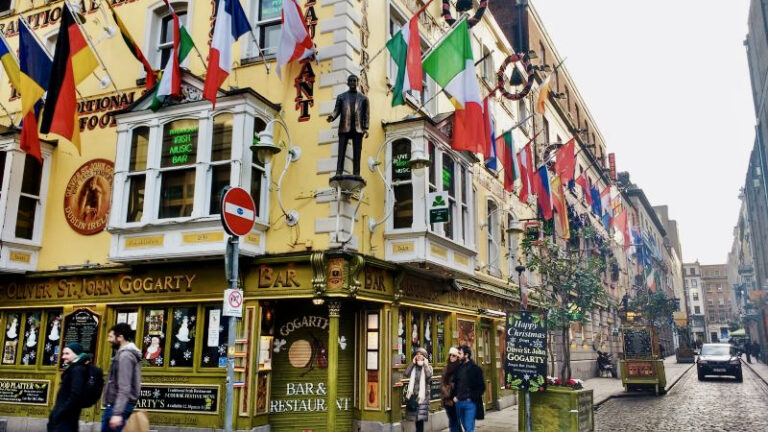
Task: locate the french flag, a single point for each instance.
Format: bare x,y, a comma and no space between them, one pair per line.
231,23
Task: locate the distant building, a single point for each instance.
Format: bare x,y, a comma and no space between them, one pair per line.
718,301
695,303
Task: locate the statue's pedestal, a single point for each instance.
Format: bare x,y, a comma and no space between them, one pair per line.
348,183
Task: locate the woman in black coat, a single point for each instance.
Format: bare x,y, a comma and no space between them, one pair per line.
65,415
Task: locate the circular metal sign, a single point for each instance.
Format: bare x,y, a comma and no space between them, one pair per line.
238,211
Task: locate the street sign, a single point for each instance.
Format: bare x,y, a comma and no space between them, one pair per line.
233,303
238,212
438,207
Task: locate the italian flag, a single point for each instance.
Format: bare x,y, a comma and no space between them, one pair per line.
170,81
405,49
452,66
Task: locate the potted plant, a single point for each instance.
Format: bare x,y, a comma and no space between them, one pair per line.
569,289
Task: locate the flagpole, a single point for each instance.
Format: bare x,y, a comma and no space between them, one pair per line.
258,47
15,59
91,46
370,60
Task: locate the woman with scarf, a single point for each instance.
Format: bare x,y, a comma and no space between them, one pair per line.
65,415
447,387
419,373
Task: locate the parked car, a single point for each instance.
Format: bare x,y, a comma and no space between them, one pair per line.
719,359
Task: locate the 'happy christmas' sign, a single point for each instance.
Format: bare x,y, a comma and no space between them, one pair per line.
525,358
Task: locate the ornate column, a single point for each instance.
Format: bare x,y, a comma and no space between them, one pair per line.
334,308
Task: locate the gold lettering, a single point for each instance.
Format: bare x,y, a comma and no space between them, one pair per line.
125,288
189,281
265,277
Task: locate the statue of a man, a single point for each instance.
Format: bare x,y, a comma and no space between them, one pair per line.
353,108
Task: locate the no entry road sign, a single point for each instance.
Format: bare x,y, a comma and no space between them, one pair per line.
237,211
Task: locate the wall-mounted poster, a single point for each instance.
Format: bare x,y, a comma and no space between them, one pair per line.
52,339
11,337
31,337
154,338
183,339
466,333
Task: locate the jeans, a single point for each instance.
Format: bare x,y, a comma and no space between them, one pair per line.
453,419
466,411
419,425
107,414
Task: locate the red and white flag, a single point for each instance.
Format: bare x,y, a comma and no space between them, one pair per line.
527,171
295,42
231,23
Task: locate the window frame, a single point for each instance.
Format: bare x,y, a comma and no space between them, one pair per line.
461,184
153,31
493,237
249,51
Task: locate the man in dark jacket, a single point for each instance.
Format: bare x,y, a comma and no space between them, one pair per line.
65,416
124,381
470,386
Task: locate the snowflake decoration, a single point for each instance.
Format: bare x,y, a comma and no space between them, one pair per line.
25,359
156,394
146,318
278,345
159,361
187,355
221,329
31,320
32,356
48,347
52,359
343,342
206,359
147,340
526,377
176,345
192,319
222,349
173,362
177,315
538,344
512,340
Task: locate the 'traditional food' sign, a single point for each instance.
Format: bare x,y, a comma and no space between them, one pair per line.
525,358
199,399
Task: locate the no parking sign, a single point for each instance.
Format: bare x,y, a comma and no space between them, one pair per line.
233,303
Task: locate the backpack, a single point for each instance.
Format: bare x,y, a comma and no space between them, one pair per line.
94,385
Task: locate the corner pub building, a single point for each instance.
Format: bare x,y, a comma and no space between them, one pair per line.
340,288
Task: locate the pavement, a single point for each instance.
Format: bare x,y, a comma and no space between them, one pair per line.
603,389
760,369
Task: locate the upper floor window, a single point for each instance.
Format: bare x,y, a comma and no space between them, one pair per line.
165,40
267,19
489,73
493,229
522,114
5,6
160,32
23,189
426,97
695,295
697,310
447,175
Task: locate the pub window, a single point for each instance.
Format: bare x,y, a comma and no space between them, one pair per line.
447,175
177,168
31,337
13,326
5,6
522,114
402,216
401,341
428,335
415,332
137,175
52,338
424,99
511,246
29,199
258,173
449,185
372,341
440,336
214,353
183,333
221,163
153,342
464,205
424,330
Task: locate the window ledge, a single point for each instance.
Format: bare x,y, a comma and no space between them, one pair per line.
247,61
28,244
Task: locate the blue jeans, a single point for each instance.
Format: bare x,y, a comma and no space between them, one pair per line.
107,414
453,420
466,411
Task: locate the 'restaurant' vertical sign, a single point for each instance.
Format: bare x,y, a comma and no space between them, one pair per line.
525,357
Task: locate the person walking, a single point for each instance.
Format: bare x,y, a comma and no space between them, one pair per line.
124,380
65,415
470,386
747,347
419,372
756,350
447,388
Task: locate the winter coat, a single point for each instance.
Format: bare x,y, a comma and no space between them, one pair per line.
65,414
470,383
448,384
124,379
423,412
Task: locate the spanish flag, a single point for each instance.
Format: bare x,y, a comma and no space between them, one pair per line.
133,47
35,73
73,61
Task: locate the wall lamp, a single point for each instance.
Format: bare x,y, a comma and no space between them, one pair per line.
543,68
265,149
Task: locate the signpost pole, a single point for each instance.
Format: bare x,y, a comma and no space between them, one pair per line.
528,419
233,250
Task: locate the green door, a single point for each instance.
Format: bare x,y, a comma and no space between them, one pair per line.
299,389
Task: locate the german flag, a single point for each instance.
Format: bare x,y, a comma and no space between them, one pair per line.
73,61
133,47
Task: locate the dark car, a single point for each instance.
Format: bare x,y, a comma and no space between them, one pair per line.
719,359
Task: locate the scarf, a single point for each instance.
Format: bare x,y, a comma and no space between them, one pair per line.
422,383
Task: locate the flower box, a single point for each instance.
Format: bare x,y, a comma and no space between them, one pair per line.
560,408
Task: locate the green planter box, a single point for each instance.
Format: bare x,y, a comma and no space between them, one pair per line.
558,409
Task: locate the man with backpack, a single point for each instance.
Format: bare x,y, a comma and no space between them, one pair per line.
65,415
121,391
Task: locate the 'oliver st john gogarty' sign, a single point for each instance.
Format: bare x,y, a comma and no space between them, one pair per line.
525,359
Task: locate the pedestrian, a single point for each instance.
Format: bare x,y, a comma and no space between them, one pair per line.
419,372
124,380
756,350
470,386
65,415
747,347
448,387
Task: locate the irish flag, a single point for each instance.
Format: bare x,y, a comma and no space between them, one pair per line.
405,49
452,66
170,81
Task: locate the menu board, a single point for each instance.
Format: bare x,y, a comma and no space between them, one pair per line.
435,391
82,326
24,392
200,399
525,353
637,343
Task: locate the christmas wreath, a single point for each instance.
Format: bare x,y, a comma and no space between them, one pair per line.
463,6
514,58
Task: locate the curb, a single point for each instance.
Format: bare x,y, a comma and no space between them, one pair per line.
623,394
749,365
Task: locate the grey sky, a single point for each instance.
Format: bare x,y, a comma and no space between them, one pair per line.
668,85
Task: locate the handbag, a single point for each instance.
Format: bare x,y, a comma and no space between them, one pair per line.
479,410
412,405
137,422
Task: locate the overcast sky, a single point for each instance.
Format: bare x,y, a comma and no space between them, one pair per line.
668,85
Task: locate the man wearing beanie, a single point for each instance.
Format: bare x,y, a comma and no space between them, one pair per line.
65,415
121,391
